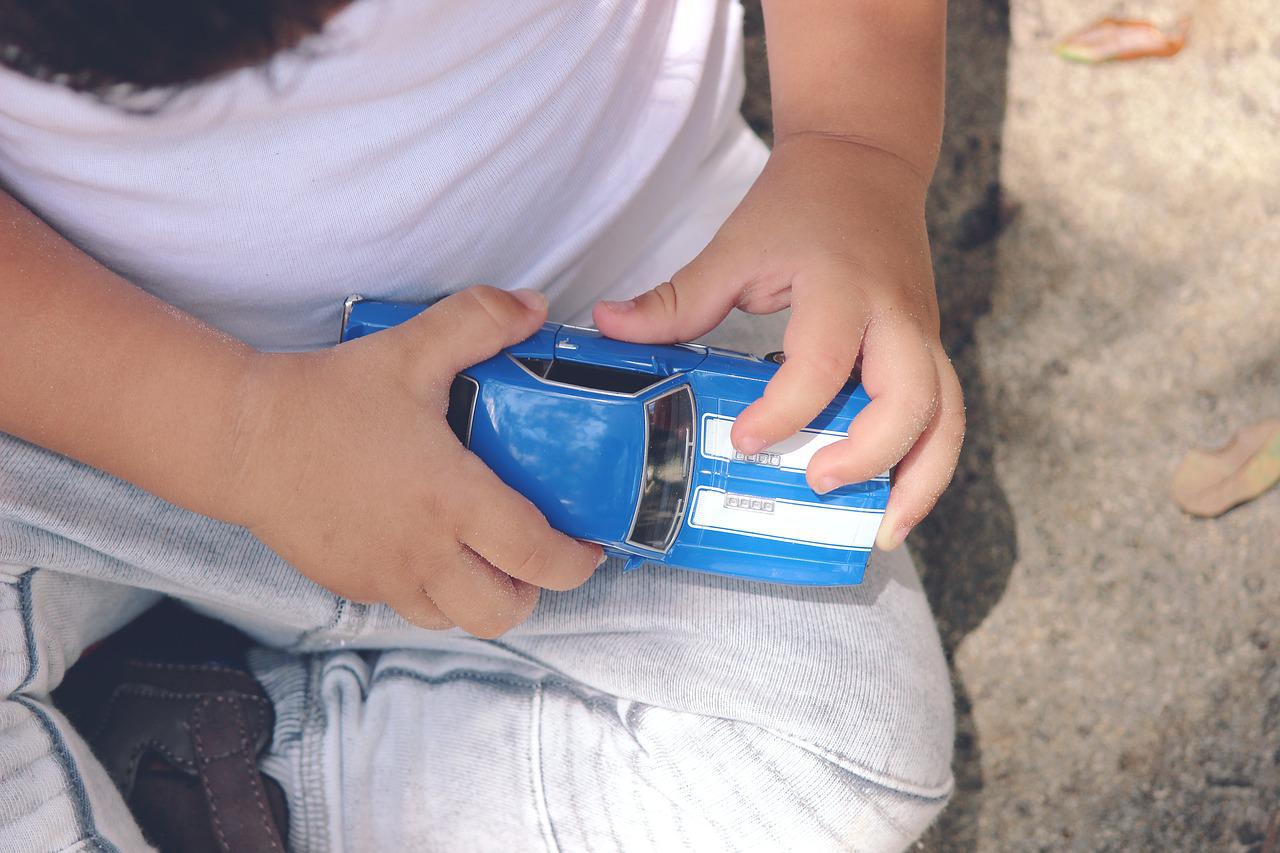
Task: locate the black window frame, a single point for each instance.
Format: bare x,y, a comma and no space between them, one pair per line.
591,377
461,412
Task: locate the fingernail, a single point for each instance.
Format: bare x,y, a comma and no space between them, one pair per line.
891,534
620,307
827,484
750,445
600,562
532,299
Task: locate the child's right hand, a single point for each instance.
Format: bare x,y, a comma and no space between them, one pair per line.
347,469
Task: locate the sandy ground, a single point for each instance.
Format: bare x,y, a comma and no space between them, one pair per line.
1107,243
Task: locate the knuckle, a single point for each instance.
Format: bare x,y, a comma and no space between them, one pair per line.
832,366
490,303
760,300
668,298
536,565
415,604
494,621
406,562
919,406
426,615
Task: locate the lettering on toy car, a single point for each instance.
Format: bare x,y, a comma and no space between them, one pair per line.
748,502
761,458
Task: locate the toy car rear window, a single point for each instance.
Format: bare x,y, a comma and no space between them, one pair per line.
462,407
590,375
667,469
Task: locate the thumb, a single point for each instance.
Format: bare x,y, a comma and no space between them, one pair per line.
693,303
471,325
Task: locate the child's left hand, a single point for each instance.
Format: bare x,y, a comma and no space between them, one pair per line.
836,230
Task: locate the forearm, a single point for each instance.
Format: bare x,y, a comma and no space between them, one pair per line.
96,369
869,71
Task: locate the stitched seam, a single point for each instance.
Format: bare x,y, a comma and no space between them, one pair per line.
340,608
245,754
255,780
148,691
770,766
884,780
590,700
187,667
885,816
26,608
536,774
246,746
313,797
208,790
135,756
75,782
164,751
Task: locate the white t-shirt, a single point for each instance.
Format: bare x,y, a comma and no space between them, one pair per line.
413,148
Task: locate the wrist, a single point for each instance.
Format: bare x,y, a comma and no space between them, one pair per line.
860,169
911,169
245,434
187,451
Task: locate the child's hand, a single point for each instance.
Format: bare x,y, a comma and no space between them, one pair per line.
836,230
348,470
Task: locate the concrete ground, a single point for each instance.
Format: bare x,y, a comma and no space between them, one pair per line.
1107,242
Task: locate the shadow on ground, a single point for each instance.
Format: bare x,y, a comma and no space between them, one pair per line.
967,548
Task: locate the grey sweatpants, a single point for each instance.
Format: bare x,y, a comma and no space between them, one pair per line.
653,710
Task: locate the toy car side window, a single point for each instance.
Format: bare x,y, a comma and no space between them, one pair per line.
536,366
668,465
590,375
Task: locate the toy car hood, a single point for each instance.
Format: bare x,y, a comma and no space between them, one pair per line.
597,442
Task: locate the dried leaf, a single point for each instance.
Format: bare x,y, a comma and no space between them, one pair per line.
1210,482
1121,39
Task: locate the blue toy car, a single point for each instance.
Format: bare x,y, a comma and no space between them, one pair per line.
627,445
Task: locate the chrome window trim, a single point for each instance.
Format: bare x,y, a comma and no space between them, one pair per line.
347,305
740,356
690,457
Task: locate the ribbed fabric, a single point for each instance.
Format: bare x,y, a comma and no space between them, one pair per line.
414,148
657,709
480,752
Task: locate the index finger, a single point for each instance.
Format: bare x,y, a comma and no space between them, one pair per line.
821,343
505,528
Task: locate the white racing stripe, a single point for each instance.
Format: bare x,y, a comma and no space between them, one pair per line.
790,454
787,521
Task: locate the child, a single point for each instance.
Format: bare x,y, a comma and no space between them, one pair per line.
167,324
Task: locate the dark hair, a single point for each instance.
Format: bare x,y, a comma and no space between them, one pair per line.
106,46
